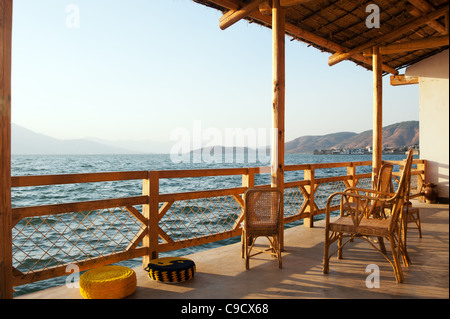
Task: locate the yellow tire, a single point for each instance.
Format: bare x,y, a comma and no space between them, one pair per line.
108,282
171,269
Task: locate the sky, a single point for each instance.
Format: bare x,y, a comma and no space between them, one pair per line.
144,69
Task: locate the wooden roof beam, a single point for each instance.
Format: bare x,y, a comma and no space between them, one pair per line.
289,3
402,79
237,4
233,16
412,45
228,4
341,56
236,14
422,7
432,24
447,22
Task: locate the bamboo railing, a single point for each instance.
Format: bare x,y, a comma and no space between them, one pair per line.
46,239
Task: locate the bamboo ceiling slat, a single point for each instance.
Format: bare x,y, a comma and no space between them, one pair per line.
343,22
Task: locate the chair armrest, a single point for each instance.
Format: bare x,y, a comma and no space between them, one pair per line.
346,193
357,190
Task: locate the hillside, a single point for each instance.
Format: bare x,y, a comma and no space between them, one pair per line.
396,136
307,144
25,141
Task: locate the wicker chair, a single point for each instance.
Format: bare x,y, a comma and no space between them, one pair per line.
378,209
359,223
262,217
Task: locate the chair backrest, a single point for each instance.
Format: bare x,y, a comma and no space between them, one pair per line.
385,178
402,191
384,184
262,214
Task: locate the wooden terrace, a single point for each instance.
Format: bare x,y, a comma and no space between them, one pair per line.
221,272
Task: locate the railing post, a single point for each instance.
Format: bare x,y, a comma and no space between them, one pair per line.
421,180
151,211
248,180
351,171
309,174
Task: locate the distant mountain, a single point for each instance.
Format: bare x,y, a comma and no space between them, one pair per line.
25,141
307,144
396,135
136,146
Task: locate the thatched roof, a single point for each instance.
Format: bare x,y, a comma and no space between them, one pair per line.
339,26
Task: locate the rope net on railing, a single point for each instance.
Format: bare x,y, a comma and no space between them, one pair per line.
294,201
195,218
55,240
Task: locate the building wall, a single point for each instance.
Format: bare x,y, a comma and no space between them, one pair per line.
434,118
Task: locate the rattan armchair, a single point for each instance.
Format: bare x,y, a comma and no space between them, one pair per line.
262,217
357,222
377,209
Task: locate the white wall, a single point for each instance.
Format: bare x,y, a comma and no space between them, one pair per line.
434,117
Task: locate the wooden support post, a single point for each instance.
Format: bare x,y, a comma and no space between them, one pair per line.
278,102
377,113
151,212
6,285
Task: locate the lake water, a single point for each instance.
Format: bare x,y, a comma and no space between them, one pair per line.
70,164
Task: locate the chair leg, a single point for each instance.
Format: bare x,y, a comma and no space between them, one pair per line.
382,246
341,248
278,251
247,253
273,245
396,262
419,225
245,248
326,258
242,244
402,244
